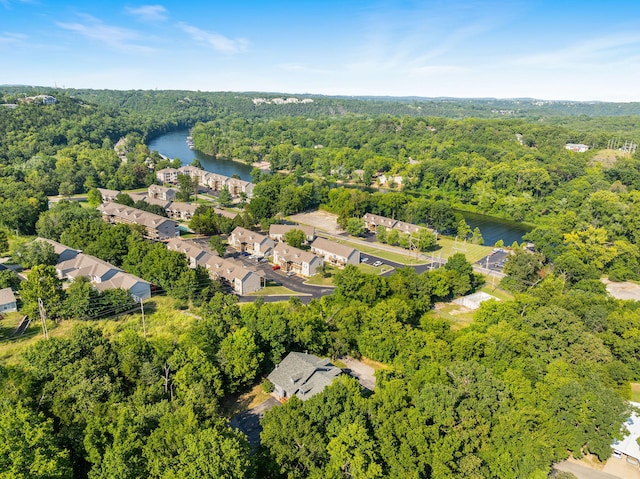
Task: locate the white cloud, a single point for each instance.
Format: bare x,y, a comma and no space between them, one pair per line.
597,51
149,13
218,42
113,36
10,38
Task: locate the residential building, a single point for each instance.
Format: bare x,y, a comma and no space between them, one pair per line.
371,222
108,195
277,232
227,214
8,303
215,181
237,186
234,273
157,228
164,204
407,228
73,264
245,240
296,260
629,446
167,175
181,211
302,375
335,253
577,147
196,256
162,193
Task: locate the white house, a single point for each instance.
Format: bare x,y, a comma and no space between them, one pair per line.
296,260
245,240
162,193
157,227
335,253
167,175
241,279
372,221
196,256
277,232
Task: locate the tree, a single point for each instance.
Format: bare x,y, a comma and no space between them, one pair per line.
36,253
224,196
94,198
295,238
522,270
239,358
42,283
8,279
124,199
4,241
187,186
218,245
28,446
355,226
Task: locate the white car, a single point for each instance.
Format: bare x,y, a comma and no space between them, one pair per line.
364,260
378,263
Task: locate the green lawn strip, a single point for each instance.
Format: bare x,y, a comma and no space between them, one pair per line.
319,280
473,252
275,290
635,392
388,255
499,293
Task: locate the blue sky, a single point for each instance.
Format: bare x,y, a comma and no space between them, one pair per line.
555,50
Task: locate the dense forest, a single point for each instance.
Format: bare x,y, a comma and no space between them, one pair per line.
529,382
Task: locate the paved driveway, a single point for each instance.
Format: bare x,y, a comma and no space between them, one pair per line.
363,373
582,472
248,422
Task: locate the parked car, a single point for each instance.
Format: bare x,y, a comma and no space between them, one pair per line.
378,263
364,260
253,256
290,273
275,267
244,253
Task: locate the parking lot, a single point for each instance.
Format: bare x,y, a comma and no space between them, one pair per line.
494,261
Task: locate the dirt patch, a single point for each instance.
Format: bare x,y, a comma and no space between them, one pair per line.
607,158
322,220
626,290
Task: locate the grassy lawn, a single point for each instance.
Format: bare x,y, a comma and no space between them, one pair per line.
635,392
10,351
273,289
473,252
501,294
388,255
373,364
238,403
458,316
319,280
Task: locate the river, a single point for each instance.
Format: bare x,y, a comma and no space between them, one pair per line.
174,145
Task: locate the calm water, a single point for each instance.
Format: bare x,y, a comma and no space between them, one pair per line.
174,145
494,229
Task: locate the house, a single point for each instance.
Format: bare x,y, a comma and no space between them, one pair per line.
277,232
302,375
215,181
148,199
167,175
108,195
237,186
371,222
577,147
335,253
388,180
406,228
629,445
8,302
245,240
157,227
181,211
162,193
196,256
240,278
72,264
296,260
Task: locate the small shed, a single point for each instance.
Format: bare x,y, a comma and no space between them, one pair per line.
472,301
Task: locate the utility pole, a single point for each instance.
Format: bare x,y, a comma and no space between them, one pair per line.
144,325
43,318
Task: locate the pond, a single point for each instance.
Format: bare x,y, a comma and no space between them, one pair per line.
174,145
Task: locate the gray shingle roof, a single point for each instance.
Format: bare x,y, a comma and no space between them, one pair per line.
303,375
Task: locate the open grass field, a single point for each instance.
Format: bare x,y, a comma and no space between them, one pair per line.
273,289
635,392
